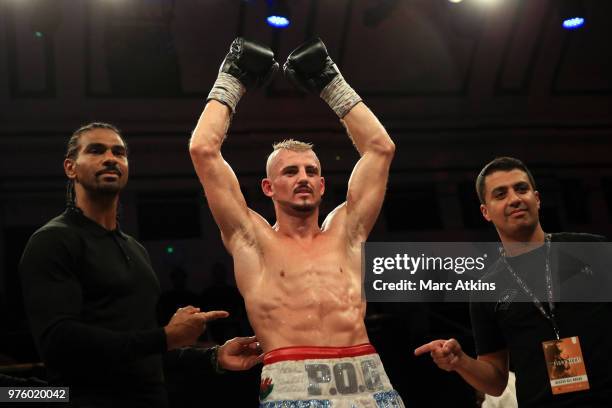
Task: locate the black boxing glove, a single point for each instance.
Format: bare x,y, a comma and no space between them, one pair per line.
310,69
247,65
251,63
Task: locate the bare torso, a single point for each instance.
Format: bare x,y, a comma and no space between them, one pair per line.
302,292
301,283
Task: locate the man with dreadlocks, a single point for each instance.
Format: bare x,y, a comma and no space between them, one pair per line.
301,282
91,293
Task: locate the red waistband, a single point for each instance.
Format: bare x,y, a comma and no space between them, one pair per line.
312,352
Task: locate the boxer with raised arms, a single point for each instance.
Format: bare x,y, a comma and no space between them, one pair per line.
301,282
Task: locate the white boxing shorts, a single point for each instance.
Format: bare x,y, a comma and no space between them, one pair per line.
326,377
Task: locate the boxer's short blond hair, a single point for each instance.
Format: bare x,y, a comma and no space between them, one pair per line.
288,144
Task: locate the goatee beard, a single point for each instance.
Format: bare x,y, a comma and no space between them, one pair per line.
102,191
304,208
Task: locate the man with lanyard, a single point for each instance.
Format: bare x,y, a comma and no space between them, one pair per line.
526,327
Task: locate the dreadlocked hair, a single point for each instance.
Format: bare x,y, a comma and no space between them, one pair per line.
72,151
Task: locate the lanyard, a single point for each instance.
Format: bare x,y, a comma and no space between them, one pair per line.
549,287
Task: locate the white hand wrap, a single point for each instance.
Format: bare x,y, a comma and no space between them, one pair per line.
227,90
340,96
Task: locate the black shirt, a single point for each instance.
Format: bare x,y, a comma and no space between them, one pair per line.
515,324
91,296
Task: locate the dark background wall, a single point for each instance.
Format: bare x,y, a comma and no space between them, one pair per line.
455,85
